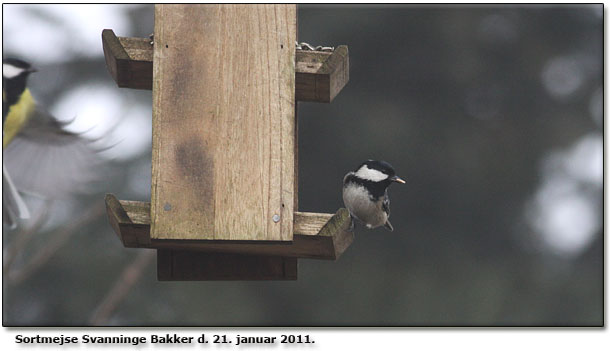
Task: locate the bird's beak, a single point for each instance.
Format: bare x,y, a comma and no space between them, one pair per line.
397,179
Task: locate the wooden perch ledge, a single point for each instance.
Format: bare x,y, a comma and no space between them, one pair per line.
316,235
319,75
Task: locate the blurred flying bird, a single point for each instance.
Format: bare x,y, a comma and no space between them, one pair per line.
42,157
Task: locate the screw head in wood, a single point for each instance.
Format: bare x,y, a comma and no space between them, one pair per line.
167,206
276,218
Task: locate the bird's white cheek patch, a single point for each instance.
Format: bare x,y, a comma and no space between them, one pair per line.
371,174
10,71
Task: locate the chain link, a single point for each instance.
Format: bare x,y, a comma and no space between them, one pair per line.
299,46
308,47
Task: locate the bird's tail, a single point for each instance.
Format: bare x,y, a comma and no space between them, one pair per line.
388,226
13,206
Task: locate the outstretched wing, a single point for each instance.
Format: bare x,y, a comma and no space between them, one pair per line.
47,160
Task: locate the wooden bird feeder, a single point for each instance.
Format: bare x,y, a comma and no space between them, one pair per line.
224,195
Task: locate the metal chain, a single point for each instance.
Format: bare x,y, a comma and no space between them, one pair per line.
302,46
307,47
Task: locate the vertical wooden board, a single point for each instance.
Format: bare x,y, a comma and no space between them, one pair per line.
223,122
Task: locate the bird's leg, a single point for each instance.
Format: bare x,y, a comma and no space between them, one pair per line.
352,224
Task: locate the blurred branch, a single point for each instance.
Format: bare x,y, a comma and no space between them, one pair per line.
58,240
130,276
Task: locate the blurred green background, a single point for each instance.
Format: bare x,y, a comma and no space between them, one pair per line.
493,115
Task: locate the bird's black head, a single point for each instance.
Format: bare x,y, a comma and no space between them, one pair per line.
377,171
376,176
15,73
380,166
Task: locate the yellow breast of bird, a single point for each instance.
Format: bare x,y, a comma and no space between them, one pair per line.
17,115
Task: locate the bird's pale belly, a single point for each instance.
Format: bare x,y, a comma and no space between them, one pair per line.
357,201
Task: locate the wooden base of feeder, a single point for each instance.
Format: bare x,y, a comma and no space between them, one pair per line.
316,235
180,265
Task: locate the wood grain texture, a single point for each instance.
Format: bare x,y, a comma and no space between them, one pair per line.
176,265
313,83
115,56
223,122
320,76
316,235
138,49
129,60
117,216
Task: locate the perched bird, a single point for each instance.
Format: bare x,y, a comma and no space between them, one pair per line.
44,159
365,193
